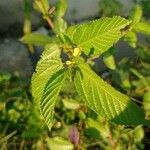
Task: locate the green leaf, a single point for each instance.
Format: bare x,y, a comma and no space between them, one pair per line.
4,77
42,6
101,127
2,106
58,143
109,59
60,24
50,94
105,100
137,14
92,133
131,38
142,27
71,104
97,36
61,8
49,63
36,39
146,101
138,134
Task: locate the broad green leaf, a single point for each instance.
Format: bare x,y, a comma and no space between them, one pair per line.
49,63
131,38
137,14
97,36
36,39
59,143
50,94
142,27
105,100
64,39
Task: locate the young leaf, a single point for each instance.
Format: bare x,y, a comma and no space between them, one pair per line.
61,8
101,127
49,63
50,94
105,100
41,6
131,38
71,104
146,101
137,14
109,59
142,27
36,39
97,36
60,24
58,143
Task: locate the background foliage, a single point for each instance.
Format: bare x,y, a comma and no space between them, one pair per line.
75,126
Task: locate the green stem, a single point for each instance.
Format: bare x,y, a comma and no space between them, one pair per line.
4,139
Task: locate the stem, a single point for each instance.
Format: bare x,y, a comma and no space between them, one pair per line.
27,23
22,145
31,48
135,100
48,19
92,58
7,137
112,142
50,23
80,147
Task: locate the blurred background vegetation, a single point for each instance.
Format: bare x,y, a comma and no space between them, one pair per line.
21,126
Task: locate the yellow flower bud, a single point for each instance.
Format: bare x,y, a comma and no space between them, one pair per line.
76,52
68,62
